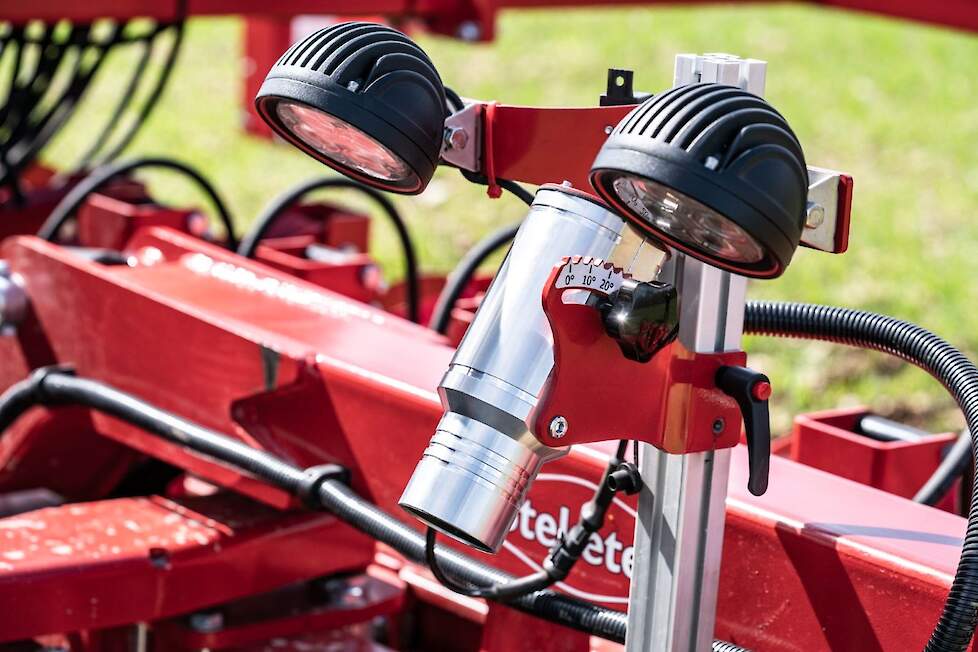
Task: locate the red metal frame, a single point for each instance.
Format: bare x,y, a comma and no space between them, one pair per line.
276,353
257,348
681,410
442,16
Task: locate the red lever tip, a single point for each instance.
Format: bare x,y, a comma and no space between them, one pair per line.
761,391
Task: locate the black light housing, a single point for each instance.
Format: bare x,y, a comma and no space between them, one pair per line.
713,171
362,98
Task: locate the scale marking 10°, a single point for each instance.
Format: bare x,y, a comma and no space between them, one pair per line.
591,274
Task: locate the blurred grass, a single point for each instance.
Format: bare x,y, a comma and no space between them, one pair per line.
893,103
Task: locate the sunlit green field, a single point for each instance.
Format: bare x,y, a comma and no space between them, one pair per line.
895,104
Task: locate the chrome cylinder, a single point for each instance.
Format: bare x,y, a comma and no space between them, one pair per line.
480,463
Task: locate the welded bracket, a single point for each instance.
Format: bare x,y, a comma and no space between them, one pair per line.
462,143
827,213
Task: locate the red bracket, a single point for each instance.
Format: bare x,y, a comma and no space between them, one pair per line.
670,402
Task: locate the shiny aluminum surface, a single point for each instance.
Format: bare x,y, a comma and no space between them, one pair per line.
476,471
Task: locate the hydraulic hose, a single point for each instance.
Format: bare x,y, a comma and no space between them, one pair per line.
460,277
466,268
926,350
412,281
52,386
954,464
103,175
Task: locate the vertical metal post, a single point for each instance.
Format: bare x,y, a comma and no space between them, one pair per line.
679,529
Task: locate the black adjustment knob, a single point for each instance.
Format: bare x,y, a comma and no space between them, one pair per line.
642,317
751,390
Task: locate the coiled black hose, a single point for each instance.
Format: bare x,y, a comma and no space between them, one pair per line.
412,280
53,386
926,350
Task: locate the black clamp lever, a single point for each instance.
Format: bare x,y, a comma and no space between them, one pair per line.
751,390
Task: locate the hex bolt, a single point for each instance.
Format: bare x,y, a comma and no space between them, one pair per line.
558,427
816,216
456,138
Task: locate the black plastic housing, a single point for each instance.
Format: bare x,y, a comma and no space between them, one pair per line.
373,78
725,148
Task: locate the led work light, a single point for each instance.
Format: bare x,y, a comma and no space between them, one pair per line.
363,99
713,171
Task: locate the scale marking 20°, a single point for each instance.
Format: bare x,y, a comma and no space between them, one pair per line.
590,274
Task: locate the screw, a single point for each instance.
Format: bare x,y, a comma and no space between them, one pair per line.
456,138
816,215
718,426
558,427
608,129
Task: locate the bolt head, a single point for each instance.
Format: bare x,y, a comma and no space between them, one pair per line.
558,427
718,426
456,138
816,216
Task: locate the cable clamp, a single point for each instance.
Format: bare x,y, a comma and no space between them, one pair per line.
314,477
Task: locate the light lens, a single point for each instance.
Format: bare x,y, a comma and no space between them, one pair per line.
686,221
342,143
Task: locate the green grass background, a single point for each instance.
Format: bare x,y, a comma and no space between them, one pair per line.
893,103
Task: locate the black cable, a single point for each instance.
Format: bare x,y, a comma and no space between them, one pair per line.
412,281
101,176
506,184
466,268
33,133
125,99
454,100
562,557
501,591
959,376
462,275
317,486
154,96
953,466
54,387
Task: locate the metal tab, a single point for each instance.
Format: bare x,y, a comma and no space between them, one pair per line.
827,220
464,147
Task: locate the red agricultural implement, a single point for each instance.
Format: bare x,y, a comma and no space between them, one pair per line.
209,443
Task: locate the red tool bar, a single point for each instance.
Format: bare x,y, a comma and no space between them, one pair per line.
546,145
960,14
314,377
